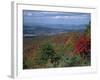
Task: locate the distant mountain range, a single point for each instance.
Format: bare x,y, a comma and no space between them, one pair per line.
44,30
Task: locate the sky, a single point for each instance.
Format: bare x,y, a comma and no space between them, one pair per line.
32,17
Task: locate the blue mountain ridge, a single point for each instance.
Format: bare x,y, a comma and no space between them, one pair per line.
43,30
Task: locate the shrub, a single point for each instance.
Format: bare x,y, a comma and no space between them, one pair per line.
83,45
47,51
74,61
47,54
69,61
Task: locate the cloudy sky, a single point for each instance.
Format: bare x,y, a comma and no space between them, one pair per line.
31,17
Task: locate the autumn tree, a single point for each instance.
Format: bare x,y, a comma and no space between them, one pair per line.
83,45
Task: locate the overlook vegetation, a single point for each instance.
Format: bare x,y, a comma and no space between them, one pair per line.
61,50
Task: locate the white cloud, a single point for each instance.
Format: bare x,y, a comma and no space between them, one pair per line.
60,17
69,17
28,14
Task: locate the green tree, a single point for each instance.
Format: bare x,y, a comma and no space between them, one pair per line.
88,30
46,53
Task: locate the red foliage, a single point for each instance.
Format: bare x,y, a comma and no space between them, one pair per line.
82,45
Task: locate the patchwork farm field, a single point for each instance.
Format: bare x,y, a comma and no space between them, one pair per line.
60,50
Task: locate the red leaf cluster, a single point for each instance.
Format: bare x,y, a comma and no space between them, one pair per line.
82,45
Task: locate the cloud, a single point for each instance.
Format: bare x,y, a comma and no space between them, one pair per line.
28,14
47,17
60,17
69,17
54,15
